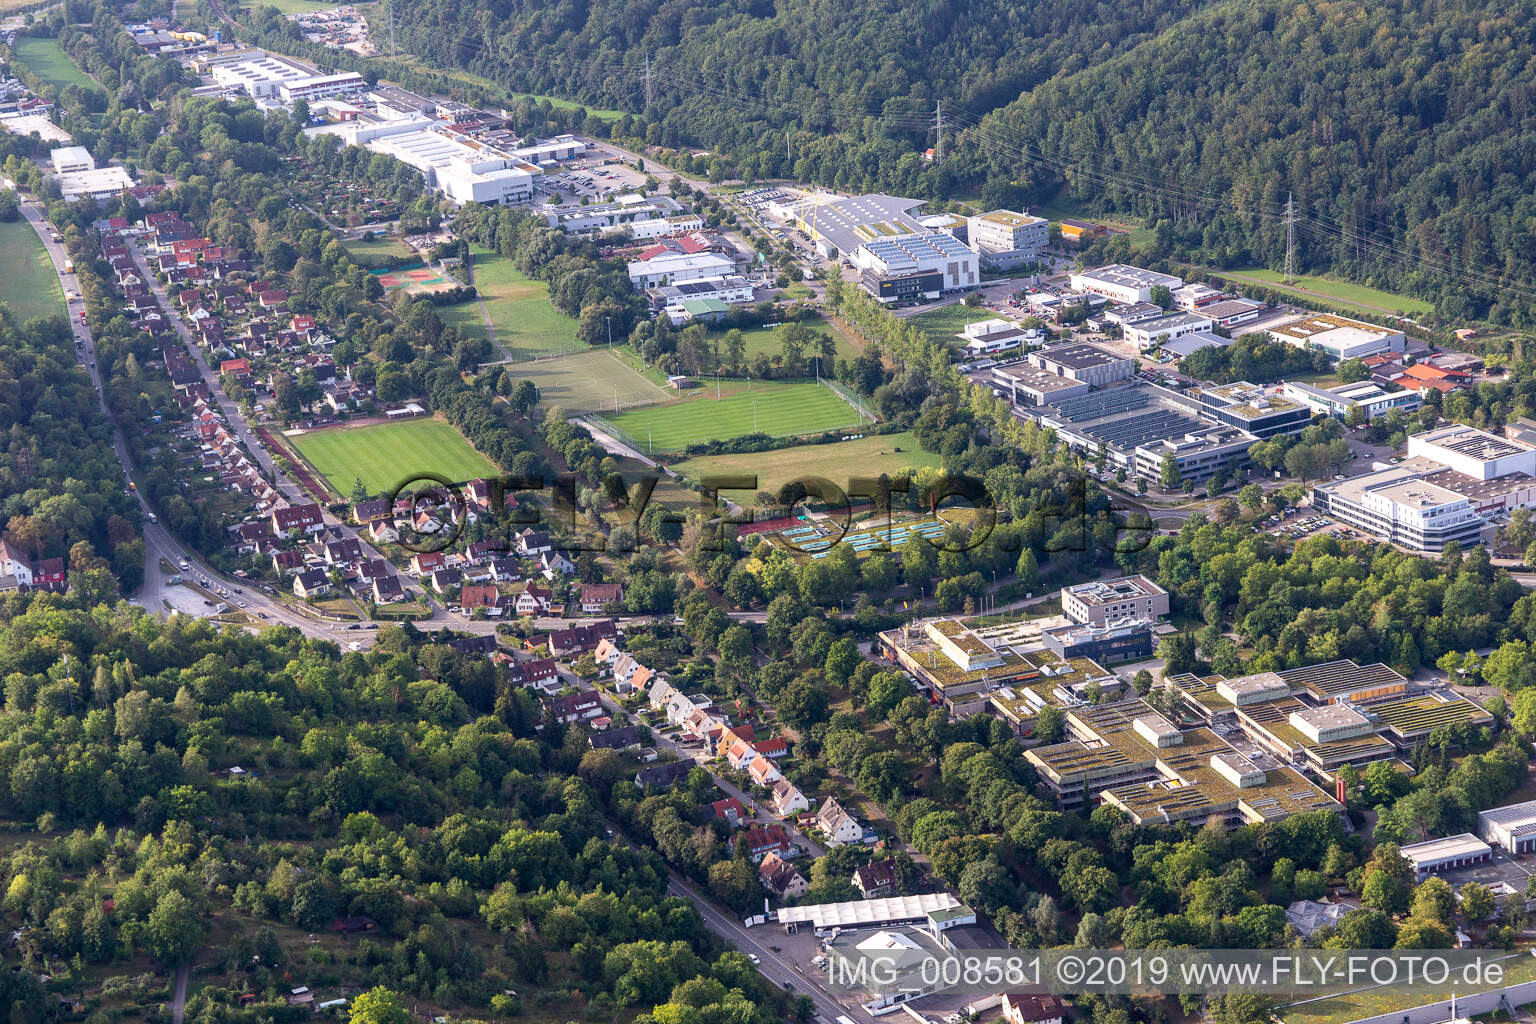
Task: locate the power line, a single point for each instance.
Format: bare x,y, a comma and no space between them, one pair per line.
1290,237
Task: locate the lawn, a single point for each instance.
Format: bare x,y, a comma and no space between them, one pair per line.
387,455
779,409
380,252
1357,297
839,463
526,325
761,340
590,381
295,6
28,281
944,323
49,62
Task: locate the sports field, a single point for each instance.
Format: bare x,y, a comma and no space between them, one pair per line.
49,62
379,252
778,409
839,463
389,454
27,278
1357,297
590,381
526,325
417,281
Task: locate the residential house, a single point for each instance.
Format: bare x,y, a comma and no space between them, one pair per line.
531,543
481,493
506,570
303,518
48,574
663,775
387,590
311,583
595,597
534,600
1033,1009
622,738
877,879
730,811
14,563
478,643
763,772
472,597
773,749
445,579
343,552
568,643
574,707
766,839
607,654
540,673
484,551
638,681
425,563
367,511
287,561
839,826
736,751
780,878
787,800
473,573
555,563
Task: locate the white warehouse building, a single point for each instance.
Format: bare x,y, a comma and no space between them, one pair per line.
464,170
936,252
1123,283
1476,453
1511,828
671,268
72,160
1149,334
1447,854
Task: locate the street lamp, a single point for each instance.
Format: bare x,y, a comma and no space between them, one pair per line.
609,321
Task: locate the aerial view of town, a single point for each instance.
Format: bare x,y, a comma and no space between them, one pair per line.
727,512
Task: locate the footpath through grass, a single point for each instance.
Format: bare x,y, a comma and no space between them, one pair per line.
28,282
775,408
526,325
49,62
386,455
1357,297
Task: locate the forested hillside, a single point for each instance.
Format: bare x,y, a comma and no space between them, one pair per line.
734,73
1405,129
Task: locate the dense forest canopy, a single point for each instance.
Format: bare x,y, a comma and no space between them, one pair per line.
1403,129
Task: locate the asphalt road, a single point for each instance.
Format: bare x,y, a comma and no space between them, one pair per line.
756,941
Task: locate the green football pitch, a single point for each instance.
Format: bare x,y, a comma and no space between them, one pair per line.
786,409
386,455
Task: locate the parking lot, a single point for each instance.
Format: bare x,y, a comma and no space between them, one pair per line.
1290,525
